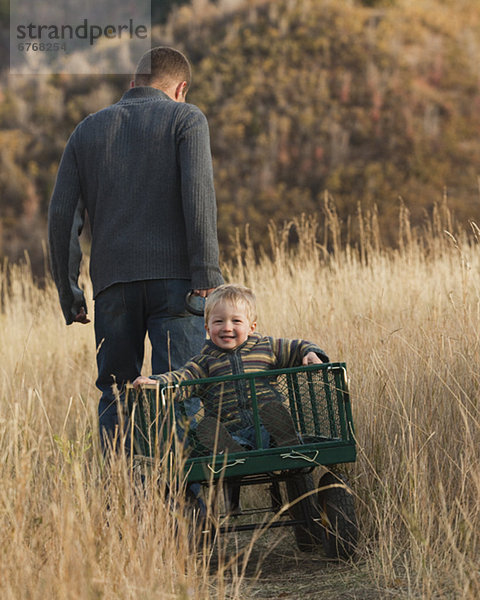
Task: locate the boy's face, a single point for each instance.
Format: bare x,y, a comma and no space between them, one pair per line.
228,325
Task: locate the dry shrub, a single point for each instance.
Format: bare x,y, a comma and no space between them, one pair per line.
406,323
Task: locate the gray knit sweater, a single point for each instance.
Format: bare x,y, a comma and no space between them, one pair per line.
142,168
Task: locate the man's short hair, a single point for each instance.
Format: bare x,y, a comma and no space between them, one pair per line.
234,294
164,66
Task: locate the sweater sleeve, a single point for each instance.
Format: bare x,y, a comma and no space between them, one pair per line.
65,223
193,369
198,200
289,353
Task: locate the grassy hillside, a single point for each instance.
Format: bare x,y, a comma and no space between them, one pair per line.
371,104
406,323
372,101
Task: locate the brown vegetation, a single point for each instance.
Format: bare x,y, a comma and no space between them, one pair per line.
373,101
406,323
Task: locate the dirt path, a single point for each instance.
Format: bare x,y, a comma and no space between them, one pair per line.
277,570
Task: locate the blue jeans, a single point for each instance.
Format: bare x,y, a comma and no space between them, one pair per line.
246,437
124,314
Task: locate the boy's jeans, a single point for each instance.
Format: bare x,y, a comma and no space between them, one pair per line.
124,314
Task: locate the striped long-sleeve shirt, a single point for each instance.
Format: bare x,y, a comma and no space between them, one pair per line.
230,400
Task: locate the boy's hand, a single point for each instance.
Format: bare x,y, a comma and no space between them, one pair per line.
142,381
311,359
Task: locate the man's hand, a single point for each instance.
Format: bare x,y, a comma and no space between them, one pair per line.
142,381
203,293
311,359
81,317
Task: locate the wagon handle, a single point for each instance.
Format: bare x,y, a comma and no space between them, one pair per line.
189,306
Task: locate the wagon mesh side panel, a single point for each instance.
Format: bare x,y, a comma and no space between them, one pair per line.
151,423
314,398
315,403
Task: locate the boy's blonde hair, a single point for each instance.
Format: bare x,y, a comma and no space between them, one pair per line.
235,294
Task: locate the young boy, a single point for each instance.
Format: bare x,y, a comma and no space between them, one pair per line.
234,348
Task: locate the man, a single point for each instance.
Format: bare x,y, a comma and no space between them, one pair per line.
142,170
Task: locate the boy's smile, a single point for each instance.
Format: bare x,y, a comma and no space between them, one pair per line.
228,325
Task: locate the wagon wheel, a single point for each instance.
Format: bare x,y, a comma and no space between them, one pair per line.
339,532
308,535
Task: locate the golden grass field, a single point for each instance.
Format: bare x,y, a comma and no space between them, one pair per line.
406,322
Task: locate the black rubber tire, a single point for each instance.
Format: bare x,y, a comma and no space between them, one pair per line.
308,535
337,510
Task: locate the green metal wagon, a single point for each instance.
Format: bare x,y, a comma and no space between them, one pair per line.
306,490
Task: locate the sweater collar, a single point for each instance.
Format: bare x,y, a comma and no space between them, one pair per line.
143,94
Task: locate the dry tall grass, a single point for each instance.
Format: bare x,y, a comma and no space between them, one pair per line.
406,323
